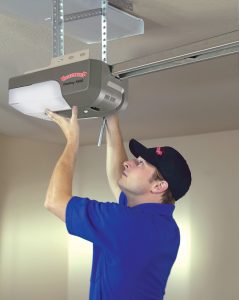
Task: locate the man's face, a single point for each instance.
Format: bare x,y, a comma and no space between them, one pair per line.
136,176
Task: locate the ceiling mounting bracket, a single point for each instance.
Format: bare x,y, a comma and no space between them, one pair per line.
58,20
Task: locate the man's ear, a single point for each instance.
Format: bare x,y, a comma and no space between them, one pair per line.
159,187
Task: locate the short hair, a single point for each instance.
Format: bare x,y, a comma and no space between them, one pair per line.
167,196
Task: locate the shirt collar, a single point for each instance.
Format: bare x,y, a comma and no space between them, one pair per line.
165,209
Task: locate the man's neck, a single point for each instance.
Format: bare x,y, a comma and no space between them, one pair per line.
133,200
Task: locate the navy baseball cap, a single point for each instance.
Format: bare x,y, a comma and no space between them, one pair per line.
169,162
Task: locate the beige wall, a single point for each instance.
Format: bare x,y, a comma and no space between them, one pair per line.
33,244
39,260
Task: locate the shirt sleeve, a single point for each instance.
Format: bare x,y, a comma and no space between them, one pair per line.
98,222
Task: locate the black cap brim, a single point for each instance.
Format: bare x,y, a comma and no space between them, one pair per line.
136,148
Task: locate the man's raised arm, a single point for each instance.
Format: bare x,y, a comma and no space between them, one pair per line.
115,154
59,190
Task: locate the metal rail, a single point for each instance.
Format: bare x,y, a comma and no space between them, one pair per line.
207,49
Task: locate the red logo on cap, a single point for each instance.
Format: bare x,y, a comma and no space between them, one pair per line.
159,151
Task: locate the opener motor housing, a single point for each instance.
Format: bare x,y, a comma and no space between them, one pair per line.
87,84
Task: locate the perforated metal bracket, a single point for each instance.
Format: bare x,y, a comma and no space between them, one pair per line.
58,28
104,4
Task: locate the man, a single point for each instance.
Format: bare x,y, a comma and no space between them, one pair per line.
135,241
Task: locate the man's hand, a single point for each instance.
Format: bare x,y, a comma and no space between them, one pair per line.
70,127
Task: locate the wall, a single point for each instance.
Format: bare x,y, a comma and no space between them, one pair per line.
39,260
33,245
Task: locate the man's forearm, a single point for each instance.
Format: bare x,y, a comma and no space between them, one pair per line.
116,153
62,176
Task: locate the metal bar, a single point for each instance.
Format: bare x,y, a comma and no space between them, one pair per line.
102,129
95,12
58,28
208,49
83,15
104,4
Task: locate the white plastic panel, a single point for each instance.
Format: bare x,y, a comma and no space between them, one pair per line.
34,99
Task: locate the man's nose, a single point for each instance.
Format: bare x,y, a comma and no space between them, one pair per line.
128,164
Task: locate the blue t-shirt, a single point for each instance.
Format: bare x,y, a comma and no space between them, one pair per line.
134,248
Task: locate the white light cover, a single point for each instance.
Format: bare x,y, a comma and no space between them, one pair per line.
34,99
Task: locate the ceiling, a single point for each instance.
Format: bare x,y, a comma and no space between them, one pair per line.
192,99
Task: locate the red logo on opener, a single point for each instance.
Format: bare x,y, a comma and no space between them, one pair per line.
73,75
